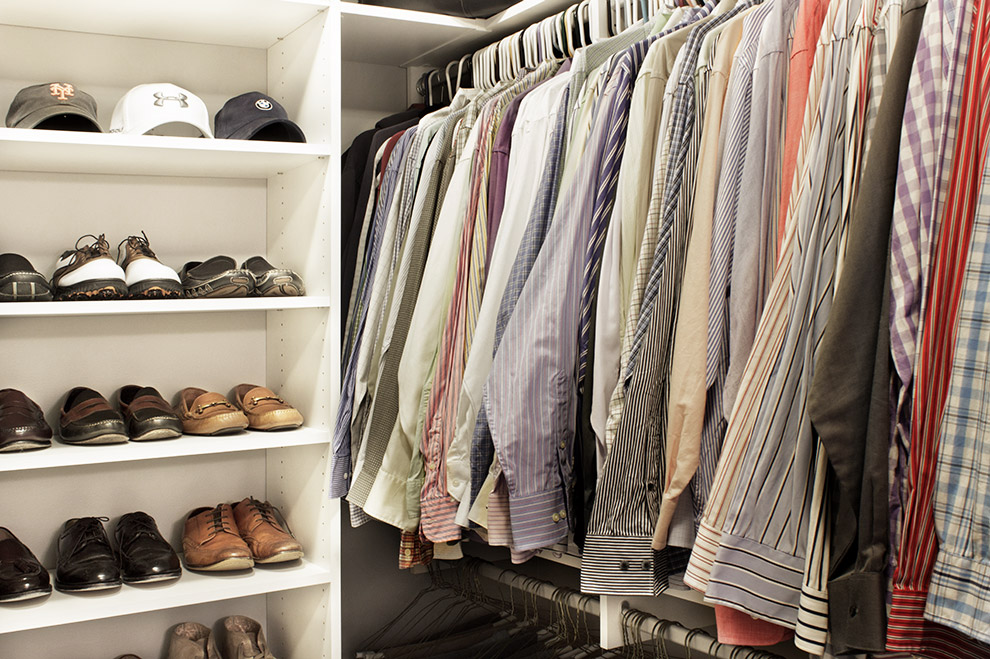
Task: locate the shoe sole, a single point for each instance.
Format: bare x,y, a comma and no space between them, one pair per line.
107,438
233,283
171,576
279,285
155,289
87,587
284,557
27,595
24,287
228,565
94,289
276,420
22,445
157,433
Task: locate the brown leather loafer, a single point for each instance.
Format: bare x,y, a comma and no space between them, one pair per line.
210,541
22,423
265,410
266,536
87,418
208,413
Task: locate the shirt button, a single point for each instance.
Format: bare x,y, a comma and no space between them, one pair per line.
563,445
563,514
624,566
647,566
853,611
556,517
347,475
407,552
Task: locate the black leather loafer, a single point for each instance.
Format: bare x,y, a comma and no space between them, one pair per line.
22,423
270,281
87,418
20,282
147,414
21,575
144,554
216,277
85,559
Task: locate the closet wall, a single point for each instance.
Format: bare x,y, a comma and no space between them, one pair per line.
194,198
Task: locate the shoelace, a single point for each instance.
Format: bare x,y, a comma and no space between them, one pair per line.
99,247
92,531
139,527
270,514
218,521
137,243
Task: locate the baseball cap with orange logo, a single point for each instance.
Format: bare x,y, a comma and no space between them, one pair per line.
53,106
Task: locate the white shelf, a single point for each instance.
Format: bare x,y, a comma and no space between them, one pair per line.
382,35
248,23
66,455
26,150
192,588
131,307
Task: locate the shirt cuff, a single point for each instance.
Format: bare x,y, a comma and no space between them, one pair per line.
538,520
699,568
959,594
614,565
386,502
858,613
437,519
340,474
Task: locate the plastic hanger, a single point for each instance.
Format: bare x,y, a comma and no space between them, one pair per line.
450,86
569,15
582,18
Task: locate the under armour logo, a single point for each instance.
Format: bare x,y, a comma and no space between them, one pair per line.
180,99
61,90
263,104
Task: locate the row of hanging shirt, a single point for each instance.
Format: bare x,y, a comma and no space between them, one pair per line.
637,296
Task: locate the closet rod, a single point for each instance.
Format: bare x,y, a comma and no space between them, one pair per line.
670,631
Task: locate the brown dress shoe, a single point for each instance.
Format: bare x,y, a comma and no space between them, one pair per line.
208,413
268,538
191,640
244,639
210,541
22,423
265,410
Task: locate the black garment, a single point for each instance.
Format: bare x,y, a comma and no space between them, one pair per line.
356,176
849,397
465,8
585,443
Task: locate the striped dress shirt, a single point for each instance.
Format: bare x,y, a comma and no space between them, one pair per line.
532,387
762,360
437,506
343,456
930,117
761,561
618,557
948,599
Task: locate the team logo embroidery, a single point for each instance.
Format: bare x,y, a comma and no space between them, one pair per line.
61,90
263,104
180,99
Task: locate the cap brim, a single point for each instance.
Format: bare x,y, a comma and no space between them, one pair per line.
248,131
146,127
32,120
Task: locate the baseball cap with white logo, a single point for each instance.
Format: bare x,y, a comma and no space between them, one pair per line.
256,116
160,108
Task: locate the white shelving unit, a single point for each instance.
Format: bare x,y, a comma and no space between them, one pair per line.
195,198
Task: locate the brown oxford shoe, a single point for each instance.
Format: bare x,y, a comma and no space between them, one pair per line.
268,538
208,413
265,410
211,542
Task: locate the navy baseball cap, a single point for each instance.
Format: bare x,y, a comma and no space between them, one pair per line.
255,116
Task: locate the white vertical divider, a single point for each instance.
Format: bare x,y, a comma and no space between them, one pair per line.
303,233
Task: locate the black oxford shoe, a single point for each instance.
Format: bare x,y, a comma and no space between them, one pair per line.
85,558
144,554
21,575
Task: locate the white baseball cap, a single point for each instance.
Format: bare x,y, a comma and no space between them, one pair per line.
147,107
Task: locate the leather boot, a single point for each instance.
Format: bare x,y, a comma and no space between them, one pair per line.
244,639
191,640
